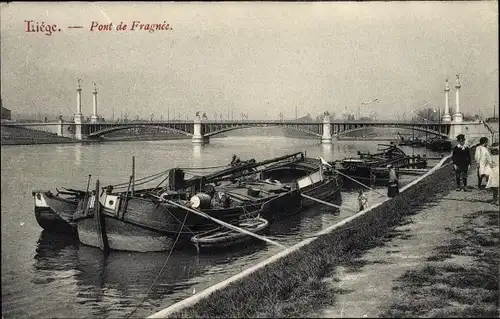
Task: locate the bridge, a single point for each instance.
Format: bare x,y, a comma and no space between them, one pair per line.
200,129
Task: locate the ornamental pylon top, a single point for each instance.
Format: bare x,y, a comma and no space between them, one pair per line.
446,85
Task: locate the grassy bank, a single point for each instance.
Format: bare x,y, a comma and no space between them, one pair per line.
292,287
461,279
296,285
65,140
25,136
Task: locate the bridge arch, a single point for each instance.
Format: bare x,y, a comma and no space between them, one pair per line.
396,126
105,131
254,125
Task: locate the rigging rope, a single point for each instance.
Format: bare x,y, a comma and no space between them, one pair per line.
208,167
141,179
161,270
165,187
142,183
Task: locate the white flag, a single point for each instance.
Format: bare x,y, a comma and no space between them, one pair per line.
323,162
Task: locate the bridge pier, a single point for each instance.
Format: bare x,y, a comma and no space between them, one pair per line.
198,137
60,127
79,127
326,138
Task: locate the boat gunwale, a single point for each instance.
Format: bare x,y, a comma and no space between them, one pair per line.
264,223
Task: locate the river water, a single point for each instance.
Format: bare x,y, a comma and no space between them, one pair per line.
46,275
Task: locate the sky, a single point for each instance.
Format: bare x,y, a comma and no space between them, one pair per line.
259,58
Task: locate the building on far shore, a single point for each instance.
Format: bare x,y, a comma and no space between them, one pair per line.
6,114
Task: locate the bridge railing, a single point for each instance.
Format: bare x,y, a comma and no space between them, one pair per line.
338,121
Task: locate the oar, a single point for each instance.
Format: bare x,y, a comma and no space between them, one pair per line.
220,222
325,203
359,183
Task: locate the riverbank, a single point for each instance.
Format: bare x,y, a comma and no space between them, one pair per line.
303,279
24,136
440,262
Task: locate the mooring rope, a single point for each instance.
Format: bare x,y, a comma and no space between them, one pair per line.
177,219
327,203
359,183
161,270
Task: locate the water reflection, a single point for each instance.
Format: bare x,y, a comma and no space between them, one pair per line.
113,284
60,148
50,245
118,278
78,154
327,151
197,154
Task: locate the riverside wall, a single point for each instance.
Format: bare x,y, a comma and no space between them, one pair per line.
337,239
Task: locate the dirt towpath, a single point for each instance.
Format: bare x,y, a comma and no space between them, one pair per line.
442,261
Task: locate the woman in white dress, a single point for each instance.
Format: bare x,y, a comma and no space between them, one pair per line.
483,158
493,181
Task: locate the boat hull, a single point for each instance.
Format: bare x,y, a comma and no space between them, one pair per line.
366,168
54,213
168,219
328,191
145,225
122,236
221,238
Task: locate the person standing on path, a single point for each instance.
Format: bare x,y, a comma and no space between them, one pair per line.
483,158
393,185
362,200
461,162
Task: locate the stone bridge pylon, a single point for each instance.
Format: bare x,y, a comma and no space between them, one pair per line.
198,132
326,138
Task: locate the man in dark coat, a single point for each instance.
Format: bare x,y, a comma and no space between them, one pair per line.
461,162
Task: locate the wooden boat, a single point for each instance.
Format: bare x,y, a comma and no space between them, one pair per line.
364,167
223,237
150,224
54,212
410,141
310,178
150,220
438,144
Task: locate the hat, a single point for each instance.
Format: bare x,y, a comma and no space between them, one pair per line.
461,137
